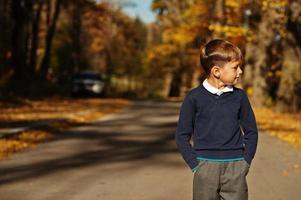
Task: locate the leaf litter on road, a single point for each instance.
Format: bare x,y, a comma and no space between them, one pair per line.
61,114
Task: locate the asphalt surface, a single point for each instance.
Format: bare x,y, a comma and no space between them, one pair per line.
131,155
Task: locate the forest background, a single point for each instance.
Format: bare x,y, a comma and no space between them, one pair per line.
45,42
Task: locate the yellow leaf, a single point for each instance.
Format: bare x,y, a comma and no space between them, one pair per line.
284,172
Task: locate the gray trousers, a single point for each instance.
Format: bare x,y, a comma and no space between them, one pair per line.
221,180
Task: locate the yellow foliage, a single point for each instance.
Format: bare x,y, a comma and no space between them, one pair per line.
270,74
278,73
22,141
266,4
178,36
250,91
232,3
10,146
56,109
34,136
195,11
230,31
284,172
296,166
69,113
285,126
89,117
160,51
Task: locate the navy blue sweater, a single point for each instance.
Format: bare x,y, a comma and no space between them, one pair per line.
222,126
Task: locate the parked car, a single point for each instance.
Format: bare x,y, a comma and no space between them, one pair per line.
88,83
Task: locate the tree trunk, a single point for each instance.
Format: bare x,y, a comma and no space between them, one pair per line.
287,96
76,34
256,59
109,68
253,76
18,38
177,77
219,13
35,38
5,35
49,37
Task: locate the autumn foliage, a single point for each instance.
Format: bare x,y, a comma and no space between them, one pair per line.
46,120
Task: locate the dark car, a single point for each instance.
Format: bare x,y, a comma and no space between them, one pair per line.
88,83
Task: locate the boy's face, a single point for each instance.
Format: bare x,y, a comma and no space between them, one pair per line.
230,73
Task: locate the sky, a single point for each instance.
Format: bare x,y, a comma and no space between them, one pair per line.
141,9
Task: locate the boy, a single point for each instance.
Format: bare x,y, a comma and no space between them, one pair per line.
223,125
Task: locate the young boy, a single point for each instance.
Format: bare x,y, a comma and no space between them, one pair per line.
220,119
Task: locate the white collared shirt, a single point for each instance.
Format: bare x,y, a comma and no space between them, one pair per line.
214,90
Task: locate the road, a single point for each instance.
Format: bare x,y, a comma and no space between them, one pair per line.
131,155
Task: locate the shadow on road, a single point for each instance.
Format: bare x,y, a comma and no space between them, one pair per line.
141,132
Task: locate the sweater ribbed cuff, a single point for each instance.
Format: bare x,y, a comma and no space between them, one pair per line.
194,169
248,159
193,163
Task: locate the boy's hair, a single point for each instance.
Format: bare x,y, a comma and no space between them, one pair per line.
217,53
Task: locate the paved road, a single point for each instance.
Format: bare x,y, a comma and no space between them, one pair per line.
131,155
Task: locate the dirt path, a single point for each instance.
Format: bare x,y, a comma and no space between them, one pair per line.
131,155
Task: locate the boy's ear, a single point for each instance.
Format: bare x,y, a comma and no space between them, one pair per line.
215,71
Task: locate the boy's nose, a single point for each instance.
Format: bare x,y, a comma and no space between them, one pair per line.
240,71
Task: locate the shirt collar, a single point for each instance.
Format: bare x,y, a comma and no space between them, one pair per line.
214,90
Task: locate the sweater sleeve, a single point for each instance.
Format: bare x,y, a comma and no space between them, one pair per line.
184,132
249,127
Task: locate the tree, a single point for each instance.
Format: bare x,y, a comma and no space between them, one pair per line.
289,92
182,22
274,52
5,38
52,21
36,18
20,17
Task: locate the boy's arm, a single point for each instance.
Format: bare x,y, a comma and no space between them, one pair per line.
184,132
248,124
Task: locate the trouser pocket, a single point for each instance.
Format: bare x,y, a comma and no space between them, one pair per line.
206,181
201,163
247,167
